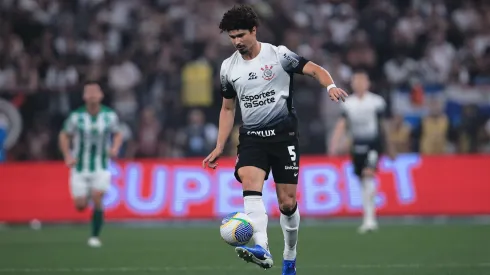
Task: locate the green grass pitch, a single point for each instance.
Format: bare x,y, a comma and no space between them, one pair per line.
338,250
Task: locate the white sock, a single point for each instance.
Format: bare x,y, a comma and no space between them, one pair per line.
290,227
255,209
368,194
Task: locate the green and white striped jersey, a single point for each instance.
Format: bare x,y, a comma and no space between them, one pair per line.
91,137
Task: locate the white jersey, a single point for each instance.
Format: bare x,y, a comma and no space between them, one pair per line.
263,86
364,116
91,137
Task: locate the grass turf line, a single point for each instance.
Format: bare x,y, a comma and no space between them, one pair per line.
421,250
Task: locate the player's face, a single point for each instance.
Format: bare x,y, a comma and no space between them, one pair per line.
243,40
360,83
92,94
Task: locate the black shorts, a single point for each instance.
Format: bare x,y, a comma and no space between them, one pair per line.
365,155
279,155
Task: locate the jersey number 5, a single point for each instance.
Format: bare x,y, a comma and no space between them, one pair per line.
292,153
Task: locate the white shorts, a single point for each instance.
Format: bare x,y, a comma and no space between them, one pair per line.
81,184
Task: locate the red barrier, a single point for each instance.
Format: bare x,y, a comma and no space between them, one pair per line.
180,189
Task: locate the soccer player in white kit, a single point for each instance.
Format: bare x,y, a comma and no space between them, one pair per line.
364,116
260,76
90,129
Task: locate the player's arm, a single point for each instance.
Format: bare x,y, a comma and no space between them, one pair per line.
64,143
293,63
385,128
227,113
117,138
226,119
390,148
117,141
337,134
64,139
325,79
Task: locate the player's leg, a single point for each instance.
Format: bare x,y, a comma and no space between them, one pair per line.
285,169
369,204
100,185
81,203
79,190
251,170
97,219
367,176
289,220
252,182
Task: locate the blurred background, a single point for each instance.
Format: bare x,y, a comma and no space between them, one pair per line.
158,61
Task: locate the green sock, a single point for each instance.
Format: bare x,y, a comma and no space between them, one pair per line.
97,221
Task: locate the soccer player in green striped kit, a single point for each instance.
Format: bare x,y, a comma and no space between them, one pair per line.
89,130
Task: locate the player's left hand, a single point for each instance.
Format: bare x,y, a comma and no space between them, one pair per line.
391,152
337,94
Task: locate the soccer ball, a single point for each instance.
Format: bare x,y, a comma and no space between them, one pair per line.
236,229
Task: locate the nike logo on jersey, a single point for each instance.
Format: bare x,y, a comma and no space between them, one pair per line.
235,80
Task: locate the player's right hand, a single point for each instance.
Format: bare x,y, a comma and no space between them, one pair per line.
332,149
70,161
211,159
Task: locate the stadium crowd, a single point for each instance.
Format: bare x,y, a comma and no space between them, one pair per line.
158,62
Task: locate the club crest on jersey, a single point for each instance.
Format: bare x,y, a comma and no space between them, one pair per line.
268,73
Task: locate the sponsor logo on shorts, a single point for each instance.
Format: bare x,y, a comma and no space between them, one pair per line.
291,167
262,133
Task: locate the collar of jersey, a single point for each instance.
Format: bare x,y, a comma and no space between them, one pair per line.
253,59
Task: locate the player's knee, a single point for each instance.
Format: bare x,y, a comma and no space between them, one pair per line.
287,202
80,205
286,195
97,198
252,179
98,204
250,184
287,206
